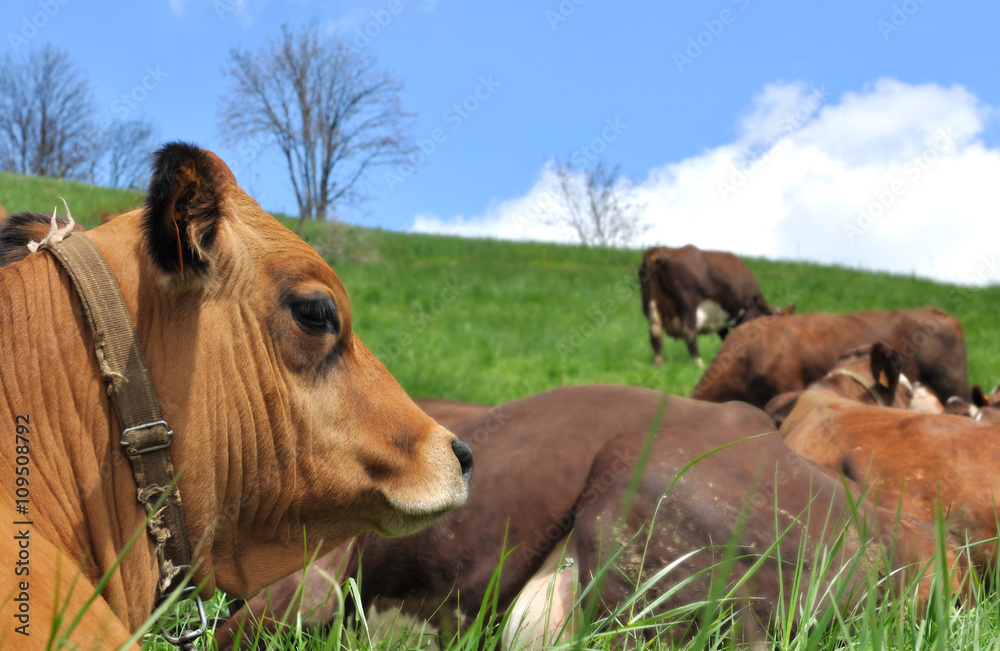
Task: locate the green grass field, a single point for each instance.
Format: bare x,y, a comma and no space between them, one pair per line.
86,202
489,321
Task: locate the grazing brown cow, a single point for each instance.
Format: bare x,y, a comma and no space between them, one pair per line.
772,355
3,213
289,434
551,470
687,292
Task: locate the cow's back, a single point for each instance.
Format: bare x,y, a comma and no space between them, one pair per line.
775,354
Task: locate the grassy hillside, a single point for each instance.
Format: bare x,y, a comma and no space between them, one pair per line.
489,321
86,201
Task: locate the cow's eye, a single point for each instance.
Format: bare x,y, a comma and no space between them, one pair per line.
316,315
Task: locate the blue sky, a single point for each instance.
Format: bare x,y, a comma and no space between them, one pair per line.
835,110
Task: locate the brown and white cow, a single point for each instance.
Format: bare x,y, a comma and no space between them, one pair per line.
687,292
866,375
551,472
289,434
773,355
926,465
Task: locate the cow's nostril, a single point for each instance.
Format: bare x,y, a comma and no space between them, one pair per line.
464,454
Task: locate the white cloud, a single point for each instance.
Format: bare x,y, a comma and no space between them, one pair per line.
894,177
522,218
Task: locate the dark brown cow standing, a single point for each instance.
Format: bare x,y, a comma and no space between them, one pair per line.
772,355
557,463
687,292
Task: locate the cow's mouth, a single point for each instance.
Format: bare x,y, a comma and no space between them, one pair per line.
409,512
406,524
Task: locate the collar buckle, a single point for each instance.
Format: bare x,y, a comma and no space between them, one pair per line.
146,438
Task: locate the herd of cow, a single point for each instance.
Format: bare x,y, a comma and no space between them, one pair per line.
817,437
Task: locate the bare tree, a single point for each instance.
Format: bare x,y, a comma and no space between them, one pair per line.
46,115
331,113
599,205
123,153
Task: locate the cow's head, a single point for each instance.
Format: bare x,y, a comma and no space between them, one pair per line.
869,374
288,431
886,366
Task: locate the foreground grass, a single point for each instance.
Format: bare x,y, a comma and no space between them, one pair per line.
816,617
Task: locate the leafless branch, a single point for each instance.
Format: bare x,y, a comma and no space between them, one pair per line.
46,115
327,108
598,205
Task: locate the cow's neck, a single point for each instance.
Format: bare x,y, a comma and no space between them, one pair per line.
83,494
232,447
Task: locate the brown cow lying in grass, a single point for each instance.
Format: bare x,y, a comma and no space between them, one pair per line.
926,465
288,433
552,472
772,355
860,376
982,407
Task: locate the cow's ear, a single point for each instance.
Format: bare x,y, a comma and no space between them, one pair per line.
885,366
183,208
979,398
